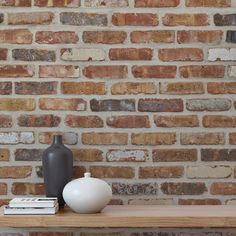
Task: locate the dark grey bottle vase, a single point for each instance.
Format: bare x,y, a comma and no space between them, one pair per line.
57,168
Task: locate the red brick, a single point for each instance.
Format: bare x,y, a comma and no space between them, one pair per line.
200,19
50,233
196,71
73,104
58,71
181,54
208,3
15,71
223,188
93,138
83,121
57,3
154,71
27,188
15,172
106,3
78,171
33,18
156,3
5,88
3,53
112,172
176,121
89,155
83,88
153,139
5,121
4,154
232,138
207,201
16,3
153,36
59,37
130,54
4,202
135,19
221,88
106,72
17,104
219,121
16,36
3,188
200,36
128,121
105,37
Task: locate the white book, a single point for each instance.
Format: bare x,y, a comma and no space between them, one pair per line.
30,210
33,202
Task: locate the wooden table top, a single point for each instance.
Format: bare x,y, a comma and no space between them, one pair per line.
130,216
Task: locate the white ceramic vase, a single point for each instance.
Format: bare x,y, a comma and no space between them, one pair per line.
87,194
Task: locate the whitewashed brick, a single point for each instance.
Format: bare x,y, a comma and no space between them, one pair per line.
16,137
222,54
232,71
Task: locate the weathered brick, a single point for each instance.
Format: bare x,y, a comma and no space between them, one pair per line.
232,138
16,36
161,172
28,154
222,54
15,3
32,18
208,71
69,138
207,201
16,137
173,155
4,154
83,88
133,88
73,104
202,138
17,104
180,54
206,172
128,155
232,71
130,54
176,121
33,55
36,88
80,18
112,172
58,37
5,121
89,155
15,172
224,20
82,54
208,3
78,171
181,88
208,104
127,121
160,105
153,139
112,105
153,36
156,3
221,88
3,53
230,202
106,72
58,71
5,88
21,188
200,36
183,188
134,189
135,19
3,188
15,71
231,36
38,120
218,154
75,121
93,138
57,3
104,37
214,121
154,71
221,188
106,3
199,19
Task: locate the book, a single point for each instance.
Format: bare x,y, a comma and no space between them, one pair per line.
30,210
33,202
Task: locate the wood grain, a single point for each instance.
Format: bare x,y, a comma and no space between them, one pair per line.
131,216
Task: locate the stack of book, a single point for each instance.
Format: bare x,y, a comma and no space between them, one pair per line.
32,206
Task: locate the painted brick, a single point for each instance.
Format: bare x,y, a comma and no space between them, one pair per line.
156,3
16,137
83,121
17,104
5,88
224,20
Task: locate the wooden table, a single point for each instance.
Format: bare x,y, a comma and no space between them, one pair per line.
130,217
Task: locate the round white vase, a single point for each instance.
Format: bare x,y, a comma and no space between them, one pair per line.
87,194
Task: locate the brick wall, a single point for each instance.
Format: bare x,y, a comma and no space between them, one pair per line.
143,92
